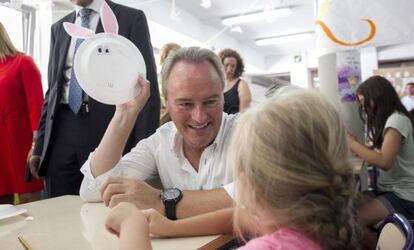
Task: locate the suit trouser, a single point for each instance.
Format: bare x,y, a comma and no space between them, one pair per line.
70,146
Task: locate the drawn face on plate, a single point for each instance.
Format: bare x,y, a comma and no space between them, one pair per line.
107,65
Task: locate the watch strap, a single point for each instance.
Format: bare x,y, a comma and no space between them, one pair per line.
170,203
170,210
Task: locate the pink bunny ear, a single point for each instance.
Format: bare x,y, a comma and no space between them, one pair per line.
109,22
77,31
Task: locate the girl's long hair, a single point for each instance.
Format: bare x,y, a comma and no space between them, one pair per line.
379,102
291,157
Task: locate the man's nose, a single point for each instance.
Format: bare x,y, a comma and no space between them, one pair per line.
199,114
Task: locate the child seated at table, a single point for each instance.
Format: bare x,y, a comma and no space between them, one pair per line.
295,183
390,129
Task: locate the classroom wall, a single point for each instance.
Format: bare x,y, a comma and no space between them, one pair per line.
369,61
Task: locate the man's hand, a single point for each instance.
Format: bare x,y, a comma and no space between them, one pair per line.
137,104
34,161
125,188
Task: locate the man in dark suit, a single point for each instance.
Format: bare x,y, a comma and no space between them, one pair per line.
65,137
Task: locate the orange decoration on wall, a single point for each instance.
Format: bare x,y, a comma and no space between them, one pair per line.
332,37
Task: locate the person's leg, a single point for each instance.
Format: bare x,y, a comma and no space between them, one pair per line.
371,212
6,199
63,176
29,197
60,171
363,198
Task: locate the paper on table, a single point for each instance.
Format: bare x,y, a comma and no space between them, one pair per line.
7,211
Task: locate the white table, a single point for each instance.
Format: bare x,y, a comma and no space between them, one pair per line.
68,223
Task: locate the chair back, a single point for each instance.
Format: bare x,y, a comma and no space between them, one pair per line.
395,233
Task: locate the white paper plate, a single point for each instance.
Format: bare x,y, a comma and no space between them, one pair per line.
107,67
7,211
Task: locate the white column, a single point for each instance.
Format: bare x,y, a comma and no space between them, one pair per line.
42,38
369,62
299,74
328,79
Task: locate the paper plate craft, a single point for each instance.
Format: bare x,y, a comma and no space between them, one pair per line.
107,65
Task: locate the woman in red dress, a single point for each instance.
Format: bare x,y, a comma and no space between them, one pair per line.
21,99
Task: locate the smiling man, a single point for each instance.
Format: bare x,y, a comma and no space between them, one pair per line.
189,154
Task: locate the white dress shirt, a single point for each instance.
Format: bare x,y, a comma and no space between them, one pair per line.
162,155
408,102
95,6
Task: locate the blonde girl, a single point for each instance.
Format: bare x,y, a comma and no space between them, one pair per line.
295,183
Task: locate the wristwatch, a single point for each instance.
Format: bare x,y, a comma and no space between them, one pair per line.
170,197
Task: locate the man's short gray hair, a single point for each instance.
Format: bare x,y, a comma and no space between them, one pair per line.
194,55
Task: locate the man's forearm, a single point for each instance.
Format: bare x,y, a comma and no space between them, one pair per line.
112,145
203,201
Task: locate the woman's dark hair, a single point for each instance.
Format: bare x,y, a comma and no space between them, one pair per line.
380,101
232,53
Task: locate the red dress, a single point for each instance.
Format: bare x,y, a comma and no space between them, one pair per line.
21,99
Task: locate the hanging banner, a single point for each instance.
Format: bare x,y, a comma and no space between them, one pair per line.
348,69
350,24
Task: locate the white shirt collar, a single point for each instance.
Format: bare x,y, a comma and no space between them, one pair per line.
96,6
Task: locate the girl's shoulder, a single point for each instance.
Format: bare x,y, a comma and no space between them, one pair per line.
398,117
400,122
282,239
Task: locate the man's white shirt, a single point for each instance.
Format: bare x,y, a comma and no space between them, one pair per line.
162,155
96,6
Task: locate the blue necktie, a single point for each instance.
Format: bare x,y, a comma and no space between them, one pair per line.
75,91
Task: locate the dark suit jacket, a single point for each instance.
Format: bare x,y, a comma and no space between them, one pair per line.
132,25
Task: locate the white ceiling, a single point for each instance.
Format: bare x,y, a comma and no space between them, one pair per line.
300,20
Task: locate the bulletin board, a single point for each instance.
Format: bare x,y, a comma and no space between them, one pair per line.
399,77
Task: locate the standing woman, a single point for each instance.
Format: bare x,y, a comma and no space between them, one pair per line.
21,99
390,129
237,97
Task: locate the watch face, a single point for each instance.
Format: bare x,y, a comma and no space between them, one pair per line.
171,194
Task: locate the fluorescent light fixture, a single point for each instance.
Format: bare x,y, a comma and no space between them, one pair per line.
237,29
205,4
284,39
257,16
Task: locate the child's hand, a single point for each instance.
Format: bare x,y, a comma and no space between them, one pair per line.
351,139
158,224
353,144
126,216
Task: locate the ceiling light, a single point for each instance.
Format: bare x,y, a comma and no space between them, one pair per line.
174,14
257,16
284,39
205,4
237,29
